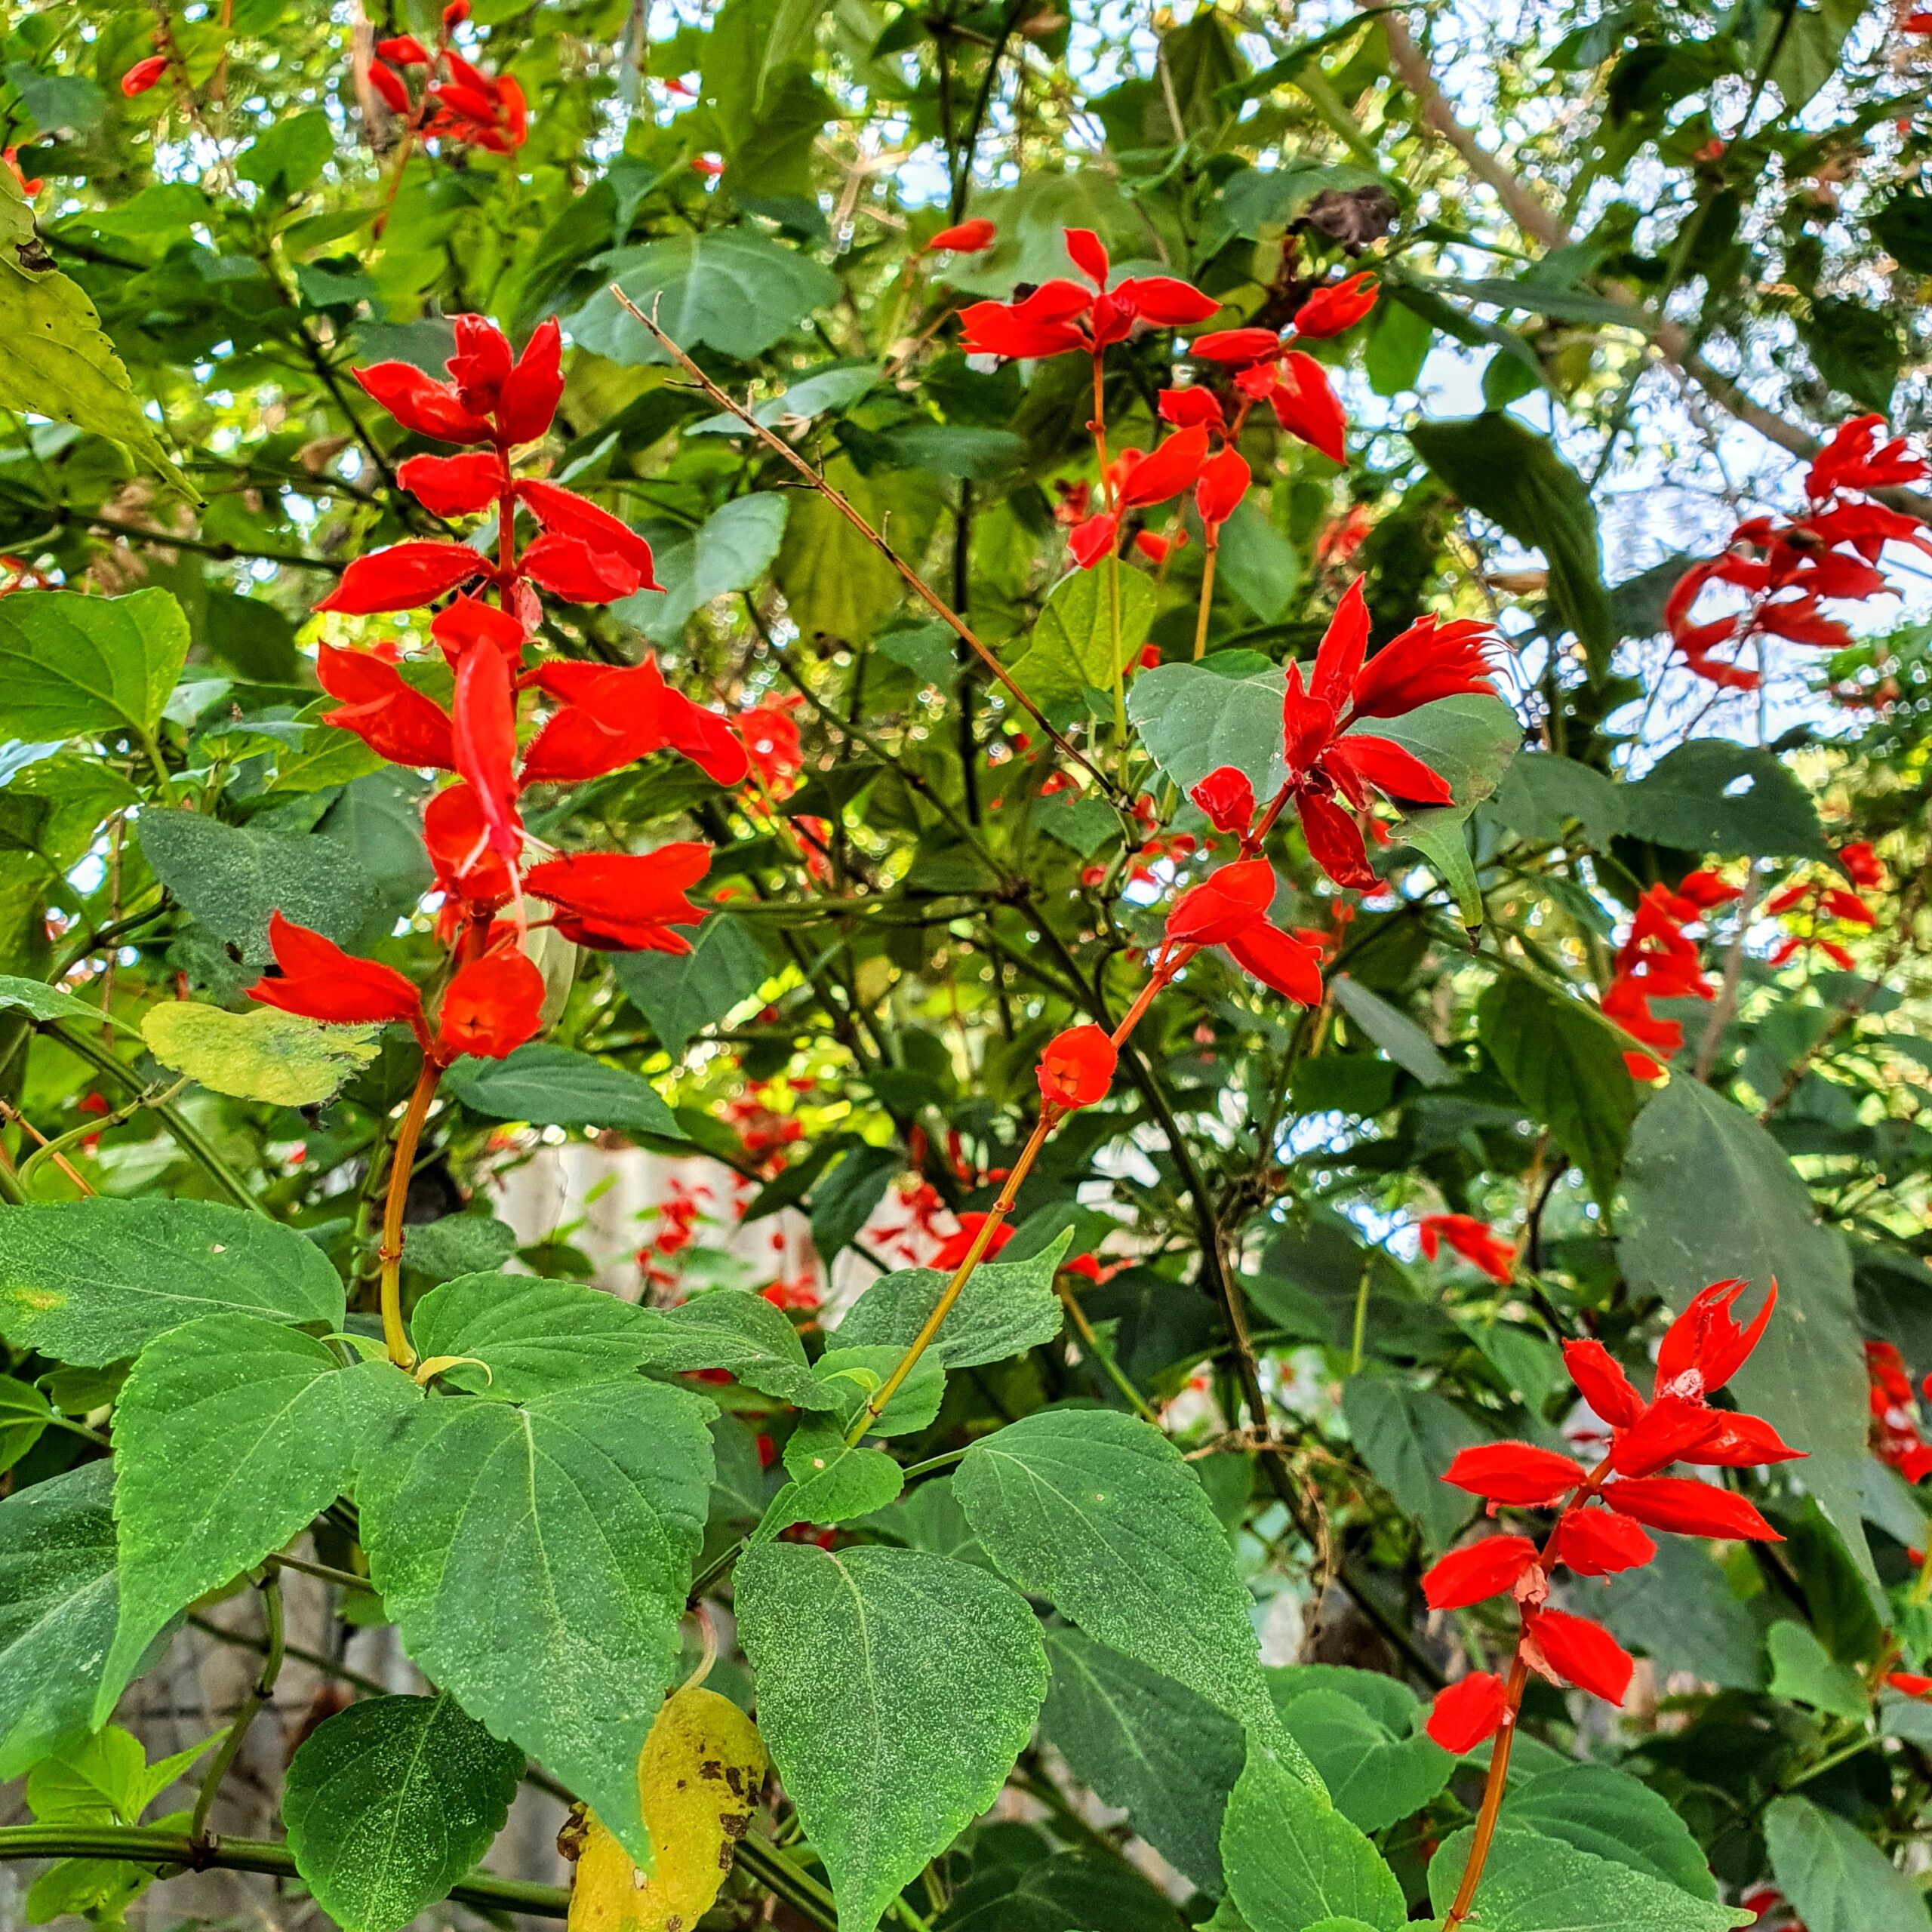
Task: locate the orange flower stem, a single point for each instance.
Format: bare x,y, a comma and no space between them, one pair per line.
402,1163
1206,596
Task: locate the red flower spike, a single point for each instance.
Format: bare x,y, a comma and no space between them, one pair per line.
1704,1348
1600,1542
320,981
492,1006
391,85
1077,1067
1519,1473
453,485
457,836
569,514
1601,1382
1470,1710
1089,254
1242,347
402,577
1472,1239
1306,407
535,386
1166,471
1223,905
1165,301
1477,1572
1226,796
1092,541
624,902
484,739
1690,1508
422,404
1184,408
142,74
388,713
1224,481
970,237
467,621
1579,1651
1329,311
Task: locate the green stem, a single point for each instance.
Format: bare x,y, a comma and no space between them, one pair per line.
346,1580
237,1730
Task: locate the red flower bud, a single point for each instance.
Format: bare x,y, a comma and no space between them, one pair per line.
1514,1473
1226,796
1470,1710
1329,311
1580,1652
1223,482
142,74
1690,1508
1600,1542
1077,1067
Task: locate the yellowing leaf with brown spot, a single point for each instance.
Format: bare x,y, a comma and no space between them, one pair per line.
698,1778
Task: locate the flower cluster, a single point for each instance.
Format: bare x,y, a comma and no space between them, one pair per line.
1786,566
1605,1515
1896,1439
1810,905
602,717
458,104
1660,960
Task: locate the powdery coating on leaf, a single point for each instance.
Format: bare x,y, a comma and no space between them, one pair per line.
533,1335
536,1559
1005,1307
895,1690
89,1282
59,1600
389,1802
731,1329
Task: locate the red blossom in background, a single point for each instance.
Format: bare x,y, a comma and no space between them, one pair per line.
969,238
1895,1438
1471,1239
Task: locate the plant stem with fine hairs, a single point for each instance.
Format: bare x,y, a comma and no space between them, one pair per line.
402,1162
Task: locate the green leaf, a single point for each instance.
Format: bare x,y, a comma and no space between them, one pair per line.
730,550
1856,348
59,1602
72,666
104,1780
731,290
1441,836
1193,718
1680,1609
89,1282
1392,1030
232,877
457,1244
1542,792
24,1414
1803,1670
845,1194
262,1055
852,1376
389,1803
948,449
1732,800
1567,1070
45,1003
895,1690
1057,1892
1534,1883
1904,226
1711,1196
1835,1879
59,362
1259,565
1072,649
1374,1774
535,1559
1292,1859
833,578
1065,1501
1516,479
1006,1308
549,1086
232,1434
823,391
1143,1742
1607,1812
832,1482
287,158
1469,740
1408,1437
533,1336
734,1330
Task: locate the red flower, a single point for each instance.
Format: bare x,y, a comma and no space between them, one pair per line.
623,902
1514,1473
387,712
1861,864
1468,1712
1477,1572
492,1006
771,740
1690,1508
956,1247
1910,1682
320,981
1077,1067
1306,407
1163,472
1602,1382
403,576
405,50
466,621
453,485
1600,1542
612,718
1224,481
454,830
1185,408
1156,548
476,110
1329,311
1093,540
1855,459
970,237
393,88
1230,908
142,74
1578,1651
1705,1347
1471,1239
1227,798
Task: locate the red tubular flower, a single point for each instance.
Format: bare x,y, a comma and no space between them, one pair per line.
1307,407
1668,1431
1705,891
1329,311
1428,660
492,1006
1469,1711
1278,959
1185,408
387,712
1861,864
453,485
1077,1067
1579,1651
1602,1382
613,717
1477,1572
970,237
1689,1508
1093,540
1167,470
1471,1239
565,514
320,981
956,1247
1855,459
405,50
1060,316
1227,798
1704,1347
1224,481
393,88
1238,347
1156,550
623,902
466,621
458,838
570,568
142,74
1519,1473
1741,1442
401,577
421,404
1223,905
1165,300
483,735
1600,1542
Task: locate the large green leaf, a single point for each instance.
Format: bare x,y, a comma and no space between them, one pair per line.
1291,1858
25,1414
1534,1883
71,665
1732,800
1679,1609
536,1559
39,1001
1096,1512
1005,1307
731,1329
232,1434
730,550
1599,1809
1078,1891
833,578
1516,479
895,1690
1567,1068
550,1086
59,1602
1376,1775
1407,1437
89,1282
1166,1757
1710,1196
389,1803
1392,1030
531,1336
730,289
1468,740
1193,718
1833,1876
681,994
1085,635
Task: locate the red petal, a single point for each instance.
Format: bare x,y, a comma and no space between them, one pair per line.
1166,301
492,1006
1666,1430
564,512
484,735
454,830
1335,841
1477,1573
1742,1442
1306,407
1600,1542
1425,662
1224,481
1582,1652
1094,540
1601,1380
1392,770
401,577
1167,470
1514,1473
533,389
633,888
1278,959
1470,1710
1690,1508
1235,345
420,403
383,709
968,238
1344,645
570,568
1090,255
454,485
322,982
1227,797
1224,904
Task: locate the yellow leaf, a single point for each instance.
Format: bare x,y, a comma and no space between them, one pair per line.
698,1777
